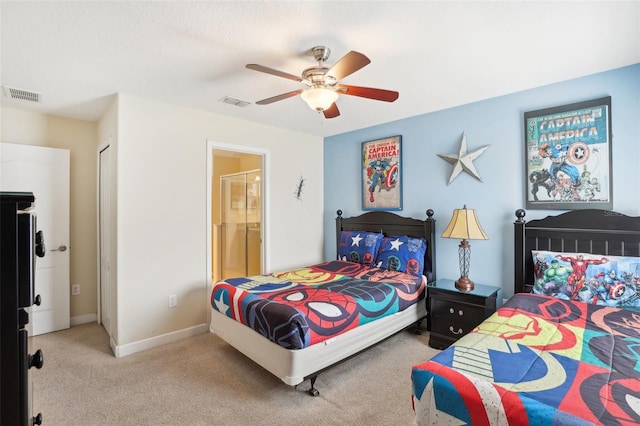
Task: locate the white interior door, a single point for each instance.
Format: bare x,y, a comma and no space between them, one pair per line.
45,172
105,238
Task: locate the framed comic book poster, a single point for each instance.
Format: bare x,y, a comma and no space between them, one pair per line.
382,174
568,156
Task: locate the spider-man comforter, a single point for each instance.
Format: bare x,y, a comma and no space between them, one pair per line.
305,306
537,360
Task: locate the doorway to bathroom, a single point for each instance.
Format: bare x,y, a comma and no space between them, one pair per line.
236,187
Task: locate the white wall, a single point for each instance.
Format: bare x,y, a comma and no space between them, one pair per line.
108,137
161,209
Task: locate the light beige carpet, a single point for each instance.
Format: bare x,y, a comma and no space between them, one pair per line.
204,381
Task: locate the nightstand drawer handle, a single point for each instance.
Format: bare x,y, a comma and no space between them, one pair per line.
460,312
455,332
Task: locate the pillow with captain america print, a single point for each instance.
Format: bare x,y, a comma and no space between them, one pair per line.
359,246
403,254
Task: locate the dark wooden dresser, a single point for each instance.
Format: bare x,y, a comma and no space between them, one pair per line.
20,244
453,313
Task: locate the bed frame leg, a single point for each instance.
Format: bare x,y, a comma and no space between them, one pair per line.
313,391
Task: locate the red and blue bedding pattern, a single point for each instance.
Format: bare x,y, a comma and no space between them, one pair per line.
537,361
305,306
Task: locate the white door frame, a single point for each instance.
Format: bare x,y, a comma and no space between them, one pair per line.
264,188
100,290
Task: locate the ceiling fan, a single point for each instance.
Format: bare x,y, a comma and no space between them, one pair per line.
323,87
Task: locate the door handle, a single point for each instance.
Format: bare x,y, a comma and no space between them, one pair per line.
60,248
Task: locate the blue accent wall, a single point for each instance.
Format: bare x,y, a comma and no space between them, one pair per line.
497,122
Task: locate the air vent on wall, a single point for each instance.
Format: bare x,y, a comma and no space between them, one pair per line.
234,101
21,94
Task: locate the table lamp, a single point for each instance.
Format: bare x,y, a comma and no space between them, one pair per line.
464,224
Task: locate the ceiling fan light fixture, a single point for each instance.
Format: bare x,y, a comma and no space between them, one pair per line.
323,83
319,98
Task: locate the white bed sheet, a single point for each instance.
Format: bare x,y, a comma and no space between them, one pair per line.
293,366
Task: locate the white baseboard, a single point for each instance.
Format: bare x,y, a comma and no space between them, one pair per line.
84,319
152,342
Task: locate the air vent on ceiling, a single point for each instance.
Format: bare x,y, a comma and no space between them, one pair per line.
21,94
234,101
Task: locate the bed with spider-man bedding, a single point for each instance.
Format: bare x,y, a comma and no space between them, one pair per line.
298,322
567,358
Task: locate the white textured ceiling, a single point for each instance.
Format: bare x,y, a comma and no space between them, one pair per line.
77,54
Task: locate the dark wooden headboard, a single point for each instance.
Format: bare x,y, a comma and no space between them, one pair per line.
580,231
392,224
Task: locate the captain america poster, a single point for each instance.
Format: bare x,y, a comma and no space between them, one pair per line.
381,174
568,156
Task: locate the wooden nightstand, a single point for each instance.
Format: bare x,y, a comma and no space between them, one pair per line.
454,313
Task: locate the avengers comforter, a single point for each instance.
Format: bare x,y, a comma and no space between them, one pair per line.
305,306
537,360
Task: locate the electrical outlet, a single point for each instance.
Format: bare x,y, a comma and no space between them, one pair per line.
173,300
75,289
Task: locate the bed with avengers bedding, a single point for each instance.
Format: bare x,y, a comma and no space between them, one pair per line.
568,355
296,323
306,306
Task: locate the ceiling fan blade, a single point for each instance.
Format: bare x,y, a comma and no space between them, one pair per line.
332,112
271,71
279,97
348,64
368,92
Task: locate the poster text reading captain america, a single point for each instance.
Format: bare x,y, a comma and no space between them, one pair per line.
579,126
383,150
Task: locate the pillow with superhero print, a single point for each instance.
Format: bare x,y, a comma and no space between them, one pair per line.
591,278
359,246
403,254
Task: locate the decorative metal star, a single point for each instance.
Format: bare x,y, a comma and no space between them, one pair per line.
463,160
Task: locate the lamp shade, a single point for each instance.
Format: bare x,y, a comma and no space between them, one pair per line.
464,225
319,98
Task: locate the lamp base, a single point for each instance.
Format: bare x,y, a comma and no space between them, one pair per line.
464,284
